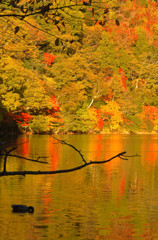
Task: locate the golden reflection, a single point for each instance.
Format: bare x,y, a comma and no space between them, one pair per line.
150,151
117,200
24,146
122,184
53,153
114,147
121,227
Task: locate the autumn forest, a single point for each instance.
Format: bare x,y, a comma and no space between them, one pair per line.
79,66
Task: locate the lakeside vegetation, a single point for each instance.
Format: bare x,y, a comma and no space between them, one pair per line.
79,66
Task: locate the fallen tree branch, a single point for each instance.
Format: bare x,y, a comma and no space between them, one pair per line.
23,173
70,145
28,159
5,158
7,154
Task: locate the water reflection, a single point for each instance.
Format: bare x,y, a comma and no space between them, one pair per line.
150,148
117,200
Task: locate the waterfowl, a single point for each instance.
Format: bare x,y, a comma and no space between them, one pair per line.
22,208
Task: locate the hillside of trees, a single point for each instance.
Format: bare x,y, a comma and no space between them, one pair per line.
79,66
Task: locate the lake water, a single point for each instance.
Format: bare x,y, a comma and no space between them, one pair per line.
116,200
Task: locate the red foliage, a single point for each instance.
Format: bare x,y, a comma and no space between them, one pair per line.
123,79
121,70
108,97
100,120
150,113
49,58
22,118
103,118
145,15
127,121
54,112
55,105
100,123
124,35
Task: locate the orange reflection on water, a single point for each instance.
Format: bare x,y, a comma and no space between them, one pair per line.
24,148
95,148
122,187
98,147
121,228
54,153
150,230
150,151
114,147
103,149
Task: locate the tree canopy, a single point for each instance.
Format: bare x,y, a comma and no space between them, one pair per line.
79,66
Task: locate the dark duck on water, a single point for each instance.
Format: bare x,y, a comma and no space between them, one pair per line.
22,208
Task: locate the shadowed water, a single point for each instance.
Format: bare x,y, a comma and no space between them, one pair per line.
117,200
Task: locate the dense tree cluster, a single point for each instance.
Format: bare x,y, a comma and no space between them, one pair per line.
79,66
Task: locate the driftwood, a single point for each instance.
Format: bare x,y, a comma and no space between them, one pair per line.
7,153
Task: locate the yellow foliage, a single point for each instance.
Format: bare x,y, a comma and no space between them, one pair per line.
112,108
11,101
156,125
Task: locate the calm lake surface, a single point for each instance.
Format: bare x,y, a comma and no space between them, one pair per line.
116,200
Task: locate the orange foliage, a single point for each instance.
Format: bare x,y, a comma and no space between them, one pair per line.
123,78
150,113
100,120
34,31
55,104
144,15
125,34
108,97
54,111
22,118
49,59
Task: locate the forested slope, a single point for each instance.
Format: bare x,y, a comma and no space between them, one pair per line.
79,66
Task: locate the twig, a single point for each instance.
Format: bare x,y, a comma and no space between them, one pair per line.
123,158
70,145
5,159
28,159
136,155
7,154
